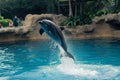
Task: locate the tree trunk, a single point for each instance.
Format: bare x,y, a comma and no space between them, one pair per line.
115,3
0,12
75,8
81,9
50,7
58,7
70,9
118,4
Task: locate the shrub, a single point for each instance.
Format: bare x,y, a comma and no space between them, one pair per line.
86,18
103,11
116,11
71,22
79,20
1,17
5,22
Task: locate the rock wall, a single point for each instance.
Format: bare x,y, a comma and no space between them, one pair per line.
30,28
34,27
106,26
13,34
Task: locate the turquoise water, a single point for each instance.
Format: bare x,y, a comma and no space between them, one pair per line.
39,60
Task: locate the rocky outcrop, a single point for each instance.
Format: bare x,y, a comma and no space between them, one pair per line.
106,26
34,27
30,28
13,34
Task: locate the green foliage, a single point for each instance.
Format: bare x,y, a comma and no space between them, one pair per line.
4,22
116,11
20,23
84,9
1,17
86,18
87,10
103,12
74,21
8,8
71,22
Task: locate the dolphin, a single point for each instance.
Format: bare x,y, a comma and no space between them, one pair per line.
54,33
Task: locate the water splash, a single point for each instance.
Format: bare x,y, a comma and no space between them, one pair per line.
68,66
68,70
84,71
52,45
77,72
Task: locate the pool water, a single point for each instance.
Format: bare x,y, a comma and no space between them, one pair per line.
39,60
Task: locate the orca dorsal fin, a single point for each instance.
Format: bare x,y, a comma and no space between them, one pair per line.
41,31
62,28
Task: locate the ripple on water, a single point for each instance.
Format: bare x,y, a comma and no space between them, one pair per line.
67,70
6,63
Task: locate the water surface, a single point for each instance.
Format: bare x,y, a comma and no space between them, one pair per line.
39,60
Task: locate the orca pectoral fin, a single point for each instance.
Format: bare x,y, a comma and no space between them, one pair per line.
62,28
41,31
